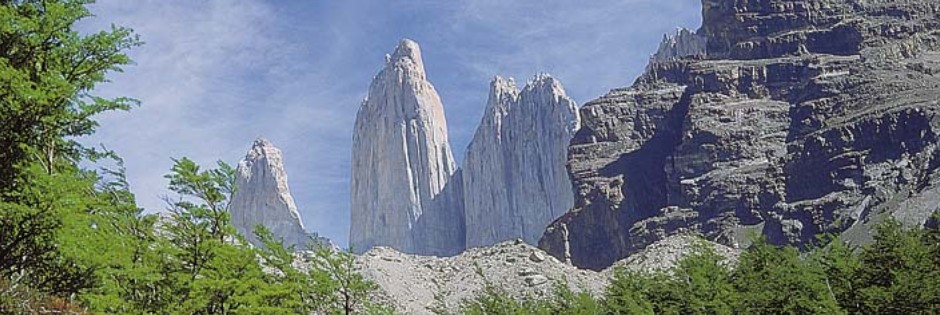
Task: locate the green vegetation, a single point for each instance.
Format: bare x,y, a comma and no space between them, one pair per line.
496,300
897,274
73,241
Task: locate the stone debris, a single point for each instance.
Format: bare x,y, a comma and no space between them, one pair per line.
410,282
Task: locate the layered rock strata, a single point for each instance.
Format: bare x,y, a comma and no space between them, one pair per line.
804,117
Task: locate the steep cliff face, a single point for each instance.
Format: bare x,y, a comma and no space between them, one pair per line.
514,176
405,193
263,197
802,117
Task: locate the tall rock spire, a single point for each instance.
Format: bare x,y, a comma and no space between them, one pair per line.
263,197
404,192
514,177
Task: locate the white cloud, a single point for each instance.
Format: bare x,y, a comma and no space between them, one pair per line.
184,76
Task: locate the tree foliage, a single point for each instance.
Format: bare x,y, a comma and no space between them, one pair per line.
73,240
495,300
47,75
776,280
201,265
899,273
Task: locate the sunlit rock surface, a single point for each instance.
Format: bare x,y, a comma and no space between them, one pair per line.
405,183
262,197
515,181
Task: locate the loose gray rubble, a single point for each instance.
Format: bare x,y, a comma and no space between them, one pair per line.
417,284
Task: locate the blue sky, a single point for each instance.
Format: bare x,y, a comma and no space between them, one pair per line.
214,75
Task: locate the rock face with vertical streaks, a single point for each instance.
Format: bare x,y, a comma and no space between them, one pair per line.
514,177
405,184
263,197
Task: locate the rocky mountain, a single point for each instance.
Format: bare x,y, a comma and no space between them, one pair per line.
407,192
683,44
405,184
802,117
262,197
514,177
410,282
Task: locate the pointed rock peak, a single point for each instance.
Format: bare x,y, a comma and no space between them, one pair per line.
262,148
514,177
682,31
406,55
503,93
542,77
502,84
407,48
501,87
684,43
545,82
402,164
263,196
262,143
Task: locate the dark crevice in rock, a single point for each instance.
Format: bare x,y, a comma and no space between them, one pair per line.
645,180
843,40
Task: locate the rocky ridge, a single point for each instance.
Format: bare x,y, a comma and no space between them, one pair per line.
263,197
684,43
803,117
410,282
514,177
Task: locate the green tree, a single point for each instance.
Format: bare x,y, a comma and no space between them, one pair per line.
70,235
339,284
841,263
47,74
32,227
899,272
494,300
497,301
566,301
213,270
628,292
699,284
704,283
775,280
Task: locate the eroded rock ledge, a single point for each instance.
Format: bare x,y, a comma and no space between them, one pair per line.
802,117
